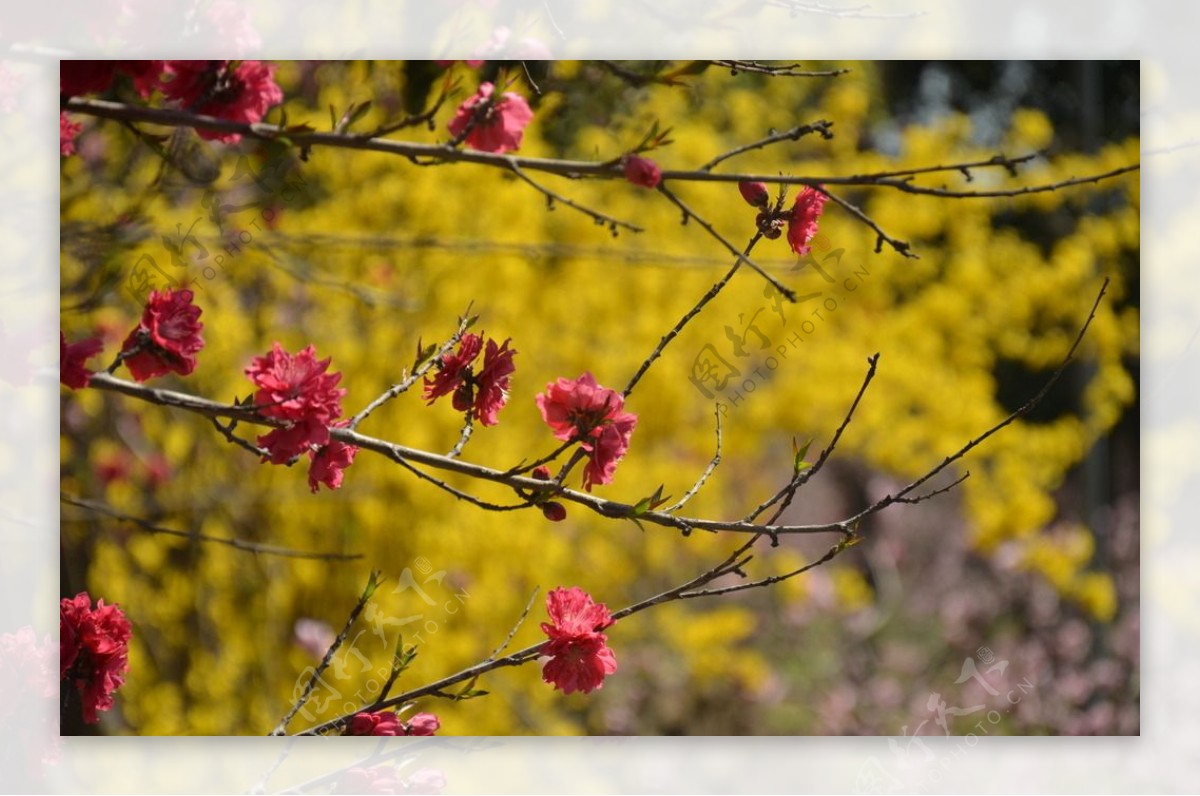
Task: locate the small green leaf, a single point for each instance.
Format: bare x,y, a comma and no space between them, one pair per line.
372,584
424,352
472,694
798,454
651,502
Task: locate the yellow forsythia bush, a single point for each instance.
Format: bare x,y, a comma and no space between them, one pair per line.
363,255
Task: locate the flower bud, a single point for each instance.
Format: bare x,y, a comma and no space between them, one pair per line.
642,171
554,511
755,193
541,473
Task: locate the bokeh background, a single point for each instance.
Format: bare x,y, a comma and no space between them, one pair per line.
1033,560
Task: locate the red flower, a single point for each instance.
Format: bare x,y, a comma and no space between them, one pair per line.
67,130
71,357
211,88
387,723
495,126
643,172
328,463
296,387
422,724
483,394
755,193
168,337
299,436
374,724
554,511
86,77
93,651
608,447
579,655
581,410
802,224
146,75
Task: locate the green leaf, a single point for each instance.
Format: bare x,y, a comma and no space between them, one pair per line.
372,584
651,502
424,352
798,454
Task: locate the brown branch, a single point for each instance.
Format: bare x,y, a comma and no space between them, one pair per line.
688,213
802,478
372,584
1025,409
464,323
674,331
409,456
794,134
572,169
785,70
881,237
601,219
235,543
712,465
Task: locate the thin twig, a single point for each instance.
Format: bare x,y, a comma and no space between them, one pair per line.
785,70
936,492
768,581
674,331
464,435
881,237
372,585
516,627
787,292
464,322
795,134
946,193
237,544
227,432
524,468
602,219
458,493
1025,409
802,478
712,465
407,456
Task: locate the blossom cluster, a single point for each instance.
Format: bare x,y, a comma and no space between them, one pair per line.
582,411
483,394
297,390
168,337
492,123
579,656
93,651
241,91
388,723
165,340
801,218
